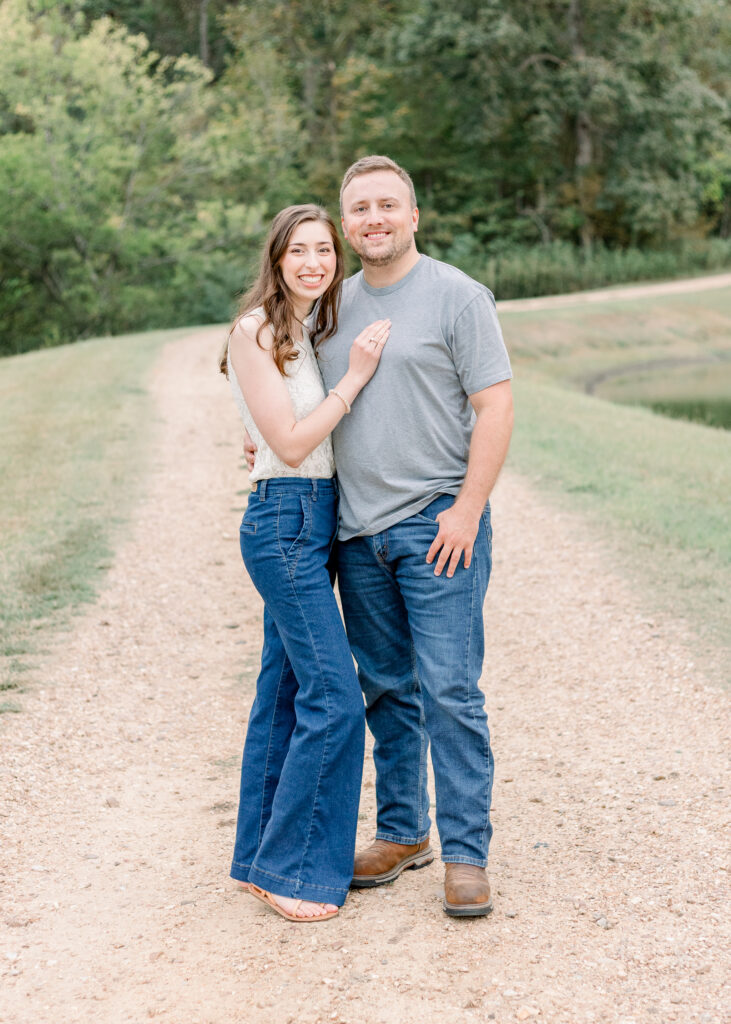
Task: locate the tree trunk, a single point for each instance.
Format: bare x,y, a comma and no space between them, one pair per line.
333,114
203,32
582,130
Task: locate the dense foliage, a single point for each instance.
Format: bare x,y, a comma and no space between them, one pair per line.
553,143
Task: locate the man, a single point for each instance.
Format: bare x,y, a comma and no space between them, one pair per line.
417,459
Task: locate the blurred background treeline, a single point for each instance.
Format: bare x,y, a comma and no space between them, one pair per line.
555,144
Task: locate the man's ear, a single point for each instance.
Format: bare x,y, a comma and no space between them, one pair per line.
342,224
415,218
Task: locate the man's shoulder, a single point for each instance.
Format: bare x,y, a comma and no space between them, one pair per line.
461,285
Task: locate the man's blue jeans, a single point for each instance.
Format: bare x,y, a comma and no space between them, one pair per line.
303,757
419,643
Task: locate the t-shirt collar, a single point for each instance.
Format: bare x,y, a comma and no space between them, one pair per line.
387,289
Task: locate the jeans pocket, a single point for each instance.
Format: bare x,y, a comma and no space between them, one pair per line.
249,528
432,510
487,523
294,521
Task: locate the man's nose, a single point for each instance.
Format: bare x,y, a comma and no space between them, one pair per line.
375,215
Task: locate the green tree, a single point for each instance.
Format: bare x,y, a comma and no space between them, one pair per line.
173,27
307,42
113,173
542,119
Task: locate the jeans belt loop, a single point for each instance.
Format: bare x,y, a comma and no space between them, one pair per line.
262,489
314,490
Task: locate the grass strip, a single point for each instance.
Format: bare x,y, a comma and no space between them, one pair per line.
73,424
657,487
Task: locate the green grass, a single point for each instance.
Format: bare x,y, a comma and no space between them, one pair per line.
658,488
557,267
73,425
577,345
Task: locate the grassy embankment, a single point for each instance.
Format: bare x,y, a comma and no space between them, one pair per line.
658,488
73,421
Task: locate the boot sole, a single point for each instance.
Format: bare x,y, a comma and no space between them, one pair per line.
413,863
468,909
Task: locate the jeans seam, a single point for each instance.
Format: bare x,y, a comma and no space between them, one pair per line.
327,736
301,538
388,837
279,541
381,556
269,749
422,726
486,748
304,534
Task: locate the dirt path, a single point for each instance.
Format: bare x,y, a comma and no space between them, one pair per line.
632,291
119,790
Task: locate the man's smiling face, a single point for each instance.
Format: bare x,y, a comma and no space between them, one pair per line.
378,219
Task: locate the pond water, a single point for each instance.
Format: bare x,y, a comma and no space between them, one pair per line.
698,392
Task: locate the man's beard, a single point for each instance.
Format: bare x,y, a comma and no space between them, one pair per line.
395,254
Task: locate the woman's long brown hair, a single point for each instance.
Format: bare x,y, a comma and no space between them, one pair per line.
270,291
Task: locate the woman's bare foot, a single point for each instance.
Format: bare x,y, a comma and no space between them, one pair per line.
303,908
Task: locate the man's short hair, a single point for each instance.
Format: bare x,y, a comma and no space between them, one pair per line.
368,164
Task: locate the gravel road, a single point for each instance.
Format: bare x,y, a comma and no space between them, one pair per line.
119,789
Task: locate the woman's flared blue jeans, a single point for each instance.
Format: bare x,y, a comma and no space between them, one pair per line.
303,756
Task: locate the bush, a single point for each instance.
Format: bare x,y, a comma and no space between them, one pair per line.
558,267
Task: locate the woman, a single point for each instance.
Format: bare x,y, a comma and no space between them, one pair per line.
303,756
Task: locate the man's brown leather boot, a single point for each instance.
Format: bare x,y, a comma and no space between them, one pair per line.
466,891
384,861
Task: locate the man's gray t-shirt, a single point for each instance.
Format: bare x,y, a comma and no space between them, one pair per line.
407,438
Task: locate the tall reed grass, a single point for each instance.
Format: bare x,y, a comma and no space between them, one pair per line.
559,267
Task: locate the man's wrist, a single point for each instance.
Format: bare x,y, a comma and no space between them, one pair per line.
470,505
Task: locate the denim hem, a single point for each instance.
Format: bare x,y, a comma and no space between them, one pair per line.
456,859
295,890
240,871
405,840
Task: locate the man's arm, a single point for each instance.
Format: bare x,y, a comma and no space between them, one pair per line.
459,524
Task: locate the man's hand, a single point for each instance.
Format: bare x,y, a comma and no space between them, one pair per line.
457,531
250,451
459,524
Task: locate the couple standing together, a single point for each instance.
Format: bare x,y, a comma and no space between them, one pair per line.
415,411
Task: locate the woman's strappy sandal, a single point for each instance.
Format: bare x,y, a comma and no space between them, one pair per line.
266,897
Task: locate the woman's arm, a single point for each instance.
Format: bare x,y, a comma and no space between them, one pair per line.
265,391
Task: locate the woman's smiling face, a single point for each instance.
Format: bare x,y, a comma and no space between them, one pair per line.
309,263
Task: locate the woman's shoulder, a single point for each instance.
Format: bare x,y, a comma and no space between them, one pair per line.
247,327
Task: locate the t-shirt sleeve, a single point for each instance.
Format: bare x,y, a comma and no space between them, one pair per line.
478,349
